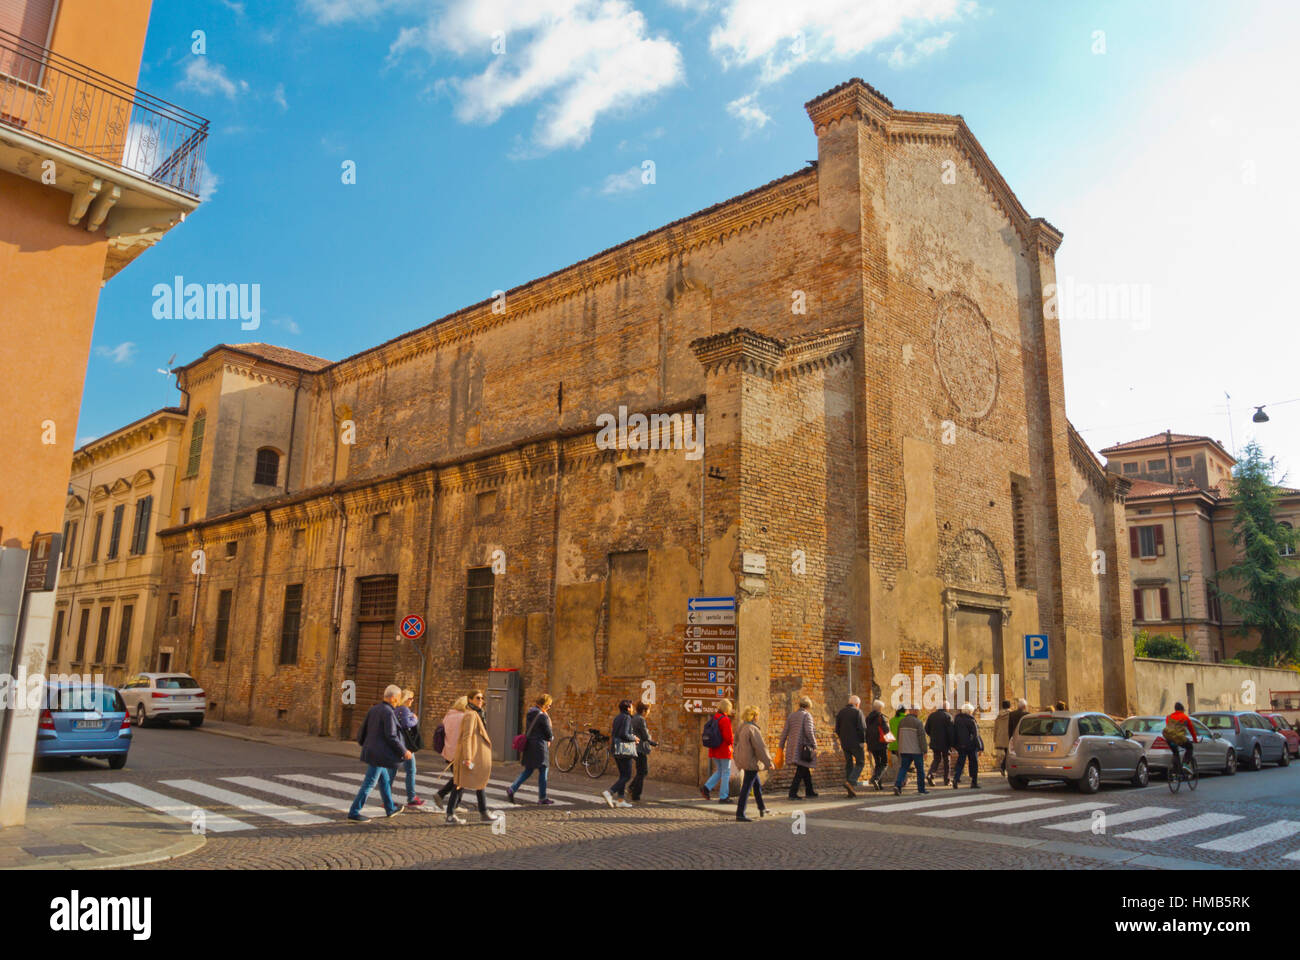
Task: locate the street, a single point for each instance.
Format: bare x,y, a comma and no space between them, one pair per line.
266,806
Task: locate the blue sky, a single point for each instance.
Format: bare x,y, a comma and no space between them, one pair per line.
1154,135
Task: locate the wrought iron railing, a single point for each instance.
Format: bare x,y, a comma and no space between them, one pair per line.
69,104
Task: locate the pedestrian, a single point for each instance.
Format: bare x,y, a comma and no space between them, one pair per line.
719,739
877,727
450,738
938,727
1060,706
750,753
970,745
409,725
623,745
799,741
473,760
1018,714
851,730
1002,736
894,721
911,749
640,727
382,749
537,749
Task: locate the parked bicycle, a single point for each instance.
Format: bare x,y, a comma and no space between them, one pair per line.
589,747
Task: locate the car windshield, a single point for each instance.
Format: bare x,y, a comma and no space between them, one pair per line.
1044,726
1216,721
1144,724
77,699
176,683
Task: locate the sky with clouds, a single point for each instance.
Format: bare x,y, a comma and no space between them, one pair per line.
495,141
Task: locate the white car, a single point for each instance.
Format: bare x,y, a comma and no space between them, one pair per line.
164,696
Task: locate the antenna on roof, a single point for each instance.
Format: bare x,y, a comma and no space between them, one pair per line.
170,363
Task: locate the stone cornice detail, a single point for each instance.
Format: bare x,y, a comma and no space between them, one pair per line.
817,351
260,374
168,422
742,349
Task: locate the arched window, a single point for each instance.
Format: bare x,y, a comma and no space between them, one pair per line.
268,467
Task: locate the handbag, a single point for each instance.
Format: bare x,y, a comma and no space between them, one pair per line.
624,748
778,759
413,738
520,743
806,753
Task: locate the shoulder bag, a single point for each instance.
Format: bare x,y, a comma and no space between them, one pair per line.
520,742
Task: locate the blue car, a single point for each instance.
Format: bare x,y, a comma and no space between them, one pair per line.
84,721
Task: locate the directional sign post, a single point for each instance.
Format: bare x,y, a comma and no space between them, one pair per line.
850,649
709,656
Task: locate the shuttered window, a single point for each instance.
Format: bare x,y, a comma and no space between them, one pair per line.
140,533
123,636
223,626
196,445
101,641
82,630
99,532
115,534
58,638
30,21
291,623
1146,542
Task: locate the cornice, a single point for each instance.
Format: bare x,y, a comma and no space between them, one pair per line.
817,351
741,349
261,374
128,438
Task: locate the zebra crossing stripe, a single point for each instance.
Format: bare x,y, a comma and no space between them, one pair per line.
1239,842
924,803
496,793
246,803
1112,819
174,808
293,793
1205,821
986,807
1025,816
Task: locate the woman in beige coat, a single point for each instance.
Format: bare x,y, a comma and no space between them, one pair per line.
451,738
472,766
750,752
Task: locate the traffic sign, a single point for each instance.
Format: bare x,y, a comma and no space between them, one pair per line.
716,631
709,692
710,646
711,603
850,648
711,661
413,627
705,675
710,610
1035,646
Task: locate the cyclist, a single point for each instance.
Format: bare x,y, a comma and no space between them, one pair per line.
1175,720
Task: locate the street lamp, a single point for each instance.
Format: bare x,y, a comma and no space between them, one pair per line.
1260,416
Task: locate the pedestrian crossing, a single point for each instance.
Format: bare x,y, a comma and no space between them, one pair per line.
241,803
1149,824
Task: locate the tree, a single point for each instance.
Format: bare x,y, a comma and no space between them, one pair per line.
1161,646
1265,570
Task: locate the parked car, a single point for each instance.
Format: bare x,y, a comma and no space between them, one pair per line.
1251,736
1280,724
1079,747
1213,753
84,721
165,697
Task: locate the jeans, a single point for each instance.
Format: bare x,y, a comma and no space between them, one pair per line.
541,780
940,757
642,768
409,766
720,777
749,780
382,776
909,760
624,775
965,754
879,761
854,761
802,775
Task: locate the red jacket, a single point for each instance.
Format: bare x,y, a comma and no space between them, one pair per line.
724,727
1179,717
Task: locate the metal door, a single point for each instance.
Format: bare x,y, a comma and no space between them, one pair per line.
376,642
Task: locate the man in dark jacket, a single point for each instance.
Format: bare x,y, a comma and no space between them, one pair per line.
877,726
1018,714
851,729
939,730
969,744
382,749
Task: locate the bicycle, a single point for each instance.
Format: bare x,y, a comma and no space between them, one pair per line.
590,748
1187,772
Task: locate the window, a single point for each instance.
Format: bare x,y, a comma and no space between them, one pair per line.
1047,726
185,514
173,605
223,626
486,503
57,640
101,641
1151,603
140,533
30,20
196,445
1147,542
1106,726
232,547
115,535
478,619
1089,727
1183,462
1131,467
1155,466
82,630
124,636
291,623
99,530
1286,549
268,467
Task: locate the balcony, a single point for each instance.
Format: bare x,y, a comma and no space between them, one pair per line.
131,162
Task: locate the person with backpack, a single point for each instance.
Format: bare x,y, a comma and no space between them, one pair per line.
750,752
894,721
644,745
1179,733
851,731
473,760
537,749
410,727
877,726
718,738
445,739
622,743
911,750
969,744
382,749
939,729
799,743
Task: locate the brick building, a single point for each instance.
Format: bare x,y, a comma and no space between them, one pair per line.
882,397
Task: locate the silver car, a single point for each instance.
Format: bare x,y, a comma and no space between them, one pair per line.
1251,736
163,697
1213,753
1079,747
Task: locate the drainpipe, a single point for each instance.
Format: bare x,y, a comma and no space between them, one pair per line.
1178,557
293,423
327,689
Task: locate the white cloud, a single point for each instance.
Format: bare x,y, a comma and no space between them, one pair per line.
122,353
208,77
209,184
238,8
629,179
749,113
287,323
578,58
278,97
779,35
901,56
340,11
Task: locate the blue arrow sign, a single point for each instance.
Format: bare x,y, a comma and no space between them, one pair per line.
850,648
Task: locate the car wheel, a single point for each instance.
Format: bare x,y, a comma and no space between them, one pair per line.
1256,759
1230,765
1018,783
1090,782
140,717
1142,776
1286,759
198,722
117,763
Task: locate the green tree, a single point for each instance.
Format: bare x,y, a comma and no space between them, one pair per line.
1162,646
1265,572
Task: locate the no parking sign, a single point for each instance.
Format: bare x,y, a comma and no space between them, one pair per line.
413,627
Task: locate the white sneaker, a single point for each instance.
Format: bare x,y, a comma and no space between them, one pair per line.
453,819
609,797
623,804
